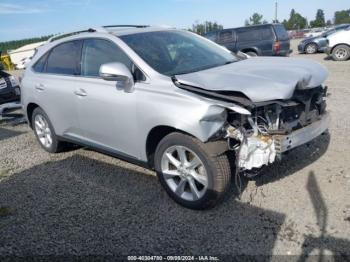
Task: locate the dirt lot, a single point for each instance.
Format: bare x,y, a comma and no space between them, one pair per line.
82,202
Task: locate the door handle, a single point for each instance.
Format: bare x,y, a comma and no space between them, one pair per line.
80,92
40,87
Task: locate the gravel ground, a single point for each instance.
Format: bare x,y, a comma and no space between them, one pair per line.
85,203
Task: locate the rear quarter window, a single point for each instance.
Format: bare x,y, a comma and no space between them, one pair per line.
281,32
39,66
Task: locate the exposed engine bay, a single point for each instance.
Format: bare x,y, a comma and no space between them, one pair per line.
277,126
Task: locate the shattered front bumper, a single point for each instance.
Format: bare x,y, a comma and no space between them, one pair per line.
301,136
259,150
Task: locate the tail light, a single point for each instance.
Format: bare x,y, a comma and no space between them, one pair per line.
277,47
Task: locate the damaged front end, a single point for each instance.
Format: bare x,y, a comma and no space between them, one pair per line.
275,127
260,132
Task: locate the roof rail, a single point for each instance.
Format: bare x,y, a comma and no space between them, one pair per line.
90,30
136,26
101,29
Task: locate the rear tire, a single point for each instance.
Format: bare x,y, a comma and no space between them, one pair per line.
311,49
191,175
341,53
45,132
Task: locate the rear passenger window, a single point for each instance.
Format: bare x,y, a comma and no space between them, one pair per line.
65,59
266,34
244,35
97,52
254,34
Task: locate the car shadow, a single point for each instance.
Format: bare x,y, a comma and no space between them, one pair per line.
324,245
12,118
82,206
6,133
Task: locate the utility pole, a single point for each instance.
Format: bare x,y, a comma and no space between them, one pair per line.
276,11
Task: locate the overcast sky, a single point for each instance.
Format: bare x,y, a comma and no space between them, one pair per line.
23,18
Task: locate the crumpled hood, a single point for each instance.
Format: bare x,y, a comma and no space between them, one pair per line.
260,78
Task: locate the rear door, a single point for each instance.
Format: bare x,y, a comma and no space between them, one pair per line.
282,38
54,83
227,38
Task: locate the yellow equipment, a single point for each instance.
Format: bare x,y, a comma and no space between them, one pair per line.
6,61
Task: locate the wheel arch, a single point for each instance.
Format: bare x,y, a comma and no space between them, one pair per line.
155,135
311,43
251,49
339,45
29,111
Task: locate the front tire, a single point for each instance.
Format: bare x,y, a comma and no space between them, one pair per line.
45,132
341,53
311,49
191,175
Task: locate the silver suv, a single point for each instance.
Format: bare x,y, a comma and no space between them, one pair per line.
174,102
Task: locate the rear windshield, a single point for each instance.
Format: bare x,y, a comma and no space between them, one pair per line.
281,32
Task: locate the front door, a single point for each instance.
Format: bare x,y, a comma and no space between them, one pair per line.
106,112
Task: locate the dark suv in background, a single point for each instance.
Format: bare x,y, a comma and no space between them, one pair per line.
9,87
259,40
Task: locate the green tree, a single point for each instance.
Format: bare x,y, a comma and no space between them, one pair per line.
285,23
255,19
342,17
206,27
296,21
320,20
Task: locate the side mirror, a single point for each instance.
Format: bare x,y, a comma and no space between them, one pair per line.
120,73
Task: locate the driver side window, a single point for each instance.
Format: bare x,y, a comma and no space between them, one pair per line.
97,52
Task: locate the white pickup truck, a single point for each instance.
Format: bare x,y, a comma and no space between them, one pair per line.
339,45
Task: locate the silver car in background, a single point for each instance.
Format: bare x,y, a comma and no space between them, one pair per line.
174,102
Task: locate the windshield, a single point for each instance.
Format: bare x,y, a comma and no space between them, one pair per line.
177,52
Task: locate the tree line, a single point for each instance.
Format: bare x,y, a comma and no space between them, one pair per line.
295,21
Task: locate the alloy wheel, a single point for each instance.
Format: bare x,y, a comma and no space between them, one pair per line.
43,130
311,49
184,173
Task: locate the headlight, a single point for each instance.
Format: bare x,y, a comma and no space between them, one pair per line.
13,81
